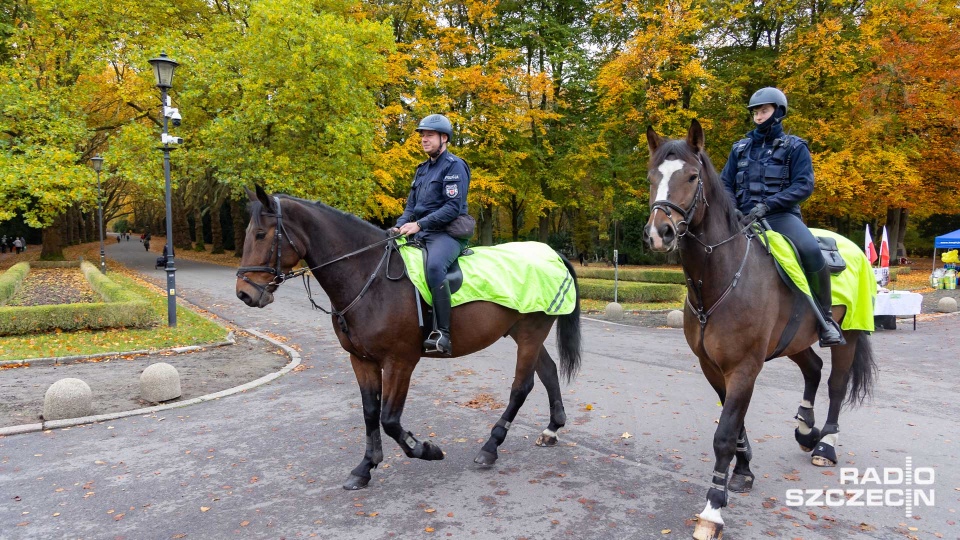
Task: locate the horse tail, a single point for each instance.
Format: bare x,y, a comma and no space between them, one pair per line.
568,332
862,373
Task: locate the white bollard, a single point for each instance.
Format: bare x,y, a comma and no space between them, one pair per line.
614,312
67,398
675,319
947,304
160,382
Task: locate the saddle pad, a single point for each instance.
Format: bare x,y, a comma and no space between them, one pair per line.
525,276
854,287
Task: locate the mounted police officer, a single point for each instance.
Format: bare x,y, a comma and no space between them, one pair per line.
768,175
438,196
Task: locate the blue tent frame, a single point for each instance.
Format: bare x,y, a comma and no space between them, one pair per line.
946,241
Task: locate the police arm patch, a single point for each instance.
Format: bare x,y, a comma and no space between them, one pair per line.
452,190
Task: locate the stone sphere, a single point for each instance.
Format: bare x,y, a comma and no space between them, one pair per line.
160,382
947,304
67,398
614,311
675,319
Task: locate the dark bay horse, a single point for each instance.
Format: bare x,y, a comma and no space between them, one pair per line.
375,319
736,312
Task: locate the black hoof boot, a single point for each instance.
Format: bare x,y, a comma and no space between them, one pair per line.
485,458
824,455
809,441
356,482
740,483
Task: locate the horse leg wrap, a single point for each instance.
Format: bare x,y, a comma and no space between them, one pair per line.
825,455
806,434
375,448
558,416
717,494
743,449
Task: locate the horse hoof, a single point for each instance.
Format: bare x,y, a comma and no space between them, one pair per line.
431,452
809,441
547,440
740,483
356,482
485,458
708,530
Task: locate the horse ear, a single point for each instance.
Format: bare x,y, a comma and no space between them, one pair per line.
252,195
653,140
264,199
695,135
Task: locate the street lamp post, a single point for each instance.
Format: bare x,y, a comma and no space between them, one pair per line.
163,68
97,165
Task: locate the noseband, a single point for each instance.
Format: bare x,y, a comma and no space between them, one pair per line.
279,276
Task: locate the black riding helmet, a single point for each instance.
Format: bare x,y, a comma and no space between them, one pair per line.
438,123
769,95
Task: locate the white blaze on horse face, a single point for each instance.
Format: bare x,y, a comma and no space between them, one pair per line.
667,168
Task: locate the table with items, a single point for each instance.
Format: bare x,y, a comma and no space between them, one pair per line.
900,303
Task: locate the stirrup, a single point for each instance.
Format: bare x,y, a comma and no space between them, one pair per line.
433,341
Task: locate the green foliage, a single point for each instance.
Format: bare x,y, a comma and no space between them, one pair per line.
11,279
650,275
631,291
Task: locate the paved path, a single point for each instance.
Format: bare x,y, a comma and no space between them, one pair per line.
268,463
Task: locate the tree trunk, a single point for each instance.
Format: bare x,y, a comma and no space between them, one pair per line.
181,227
486,225
893,231
515,209
198,231
52,250
216,231
901,247
239,217
543,231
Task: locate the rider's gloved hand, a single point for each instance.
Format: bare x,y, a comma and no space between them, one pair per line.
756,213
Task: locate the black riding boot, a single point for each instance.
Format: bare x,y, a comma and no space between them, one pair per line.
439,340
830,334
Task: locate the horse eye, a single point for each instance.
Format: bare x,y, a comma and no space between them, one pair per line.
693,177
261,235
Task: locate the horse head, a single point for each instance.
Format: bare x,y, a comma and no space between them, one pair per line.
675,172
269,252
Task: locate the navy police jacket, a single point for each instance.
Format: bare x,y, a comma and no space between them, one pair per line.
438,193
775,170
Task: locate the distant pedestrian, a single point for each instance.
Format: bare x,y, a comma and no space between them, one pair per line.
17,245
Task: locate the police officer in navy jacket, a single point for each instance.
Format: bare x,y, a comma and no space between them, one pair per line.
767,175
438,196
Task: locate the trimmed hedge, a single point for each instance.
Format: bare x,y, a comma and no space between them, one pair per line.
631,291
121,308
649,275
11,279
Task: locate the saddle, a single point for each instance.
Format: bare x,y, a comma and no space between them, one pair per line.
454,273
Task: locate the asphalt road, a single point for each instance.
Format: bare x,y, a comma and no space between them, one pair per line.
633,462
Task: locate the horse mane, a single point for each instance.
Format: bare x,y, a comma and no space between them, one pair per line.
720,202
256,208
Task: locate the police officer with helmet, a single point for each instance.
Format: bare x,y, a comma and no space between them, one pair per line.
767,175
438,196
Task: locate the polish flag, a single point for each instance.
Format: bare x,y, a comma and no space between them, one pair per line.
884,249
868,247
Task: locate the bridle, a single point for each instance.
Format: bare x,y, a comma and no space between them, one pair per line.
279,276
666,206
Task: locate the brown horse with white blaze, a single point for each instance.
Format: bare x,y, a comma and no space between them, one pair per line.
736,312
374,315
